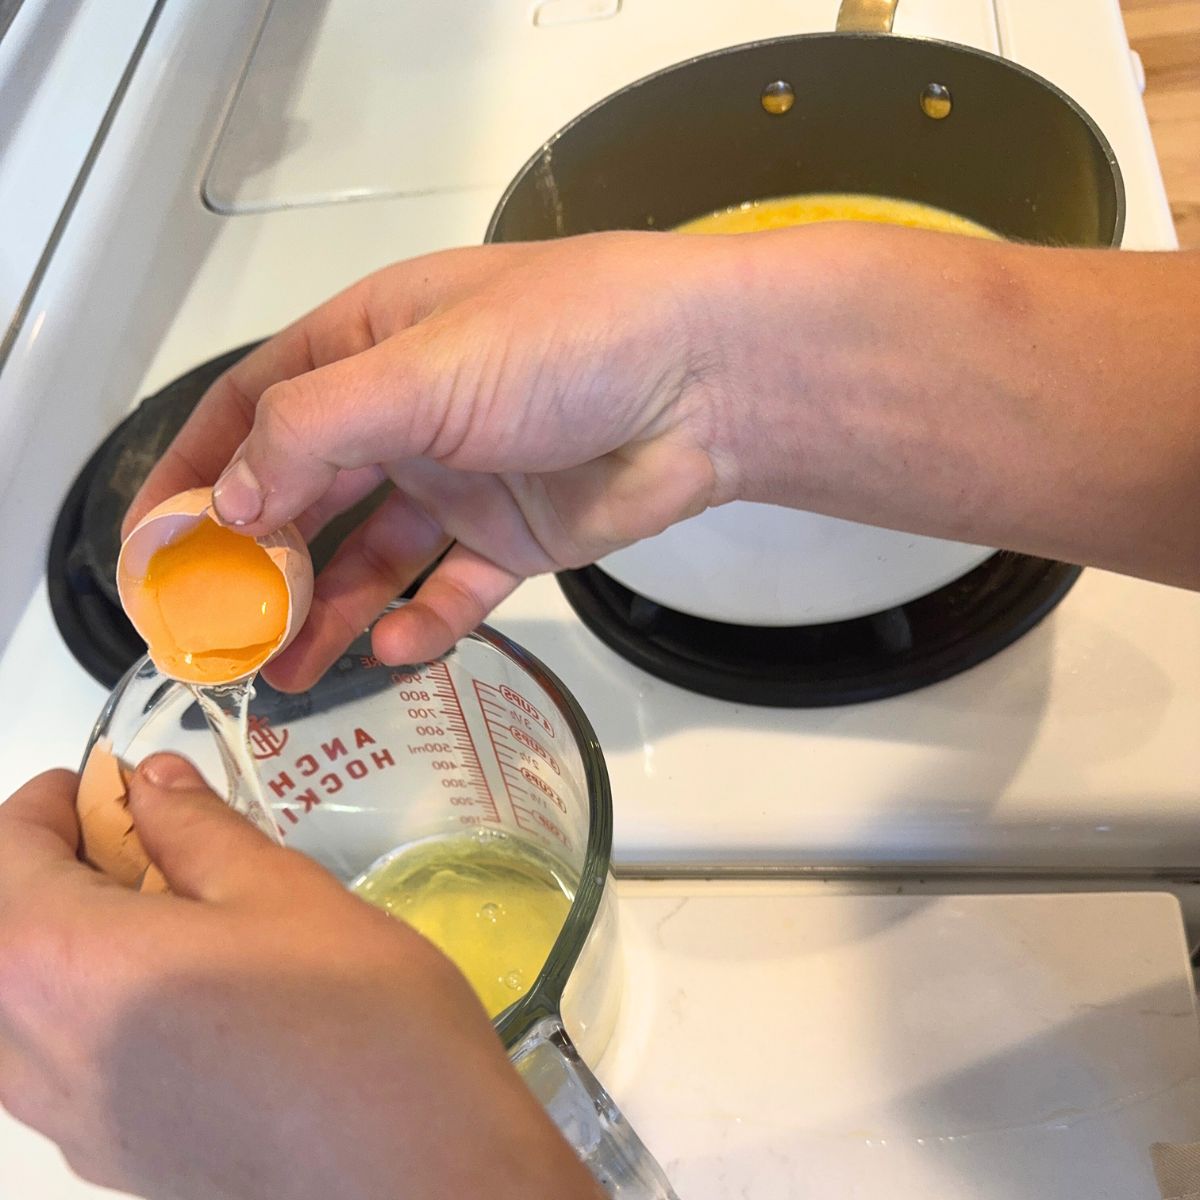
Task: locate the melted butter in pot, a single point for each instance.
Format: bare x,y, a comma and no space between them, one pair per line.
784,211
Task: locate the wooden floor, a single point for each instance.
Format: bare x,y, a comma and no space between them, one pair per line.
1166,33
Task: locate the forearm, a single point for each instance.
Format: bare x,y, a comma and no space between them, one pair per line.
1043,401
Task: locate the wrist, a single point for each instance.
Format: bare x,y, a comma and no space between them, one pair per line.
844,347
776,322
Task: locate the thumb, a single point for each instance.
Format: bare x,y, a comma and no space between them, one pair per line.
204,849
360,411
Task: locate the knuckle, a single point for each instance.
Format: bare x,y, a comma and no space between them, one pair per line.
282,414
25,944
19,1097
36,957
57,979
90,1166
36,1091
228,388
289,862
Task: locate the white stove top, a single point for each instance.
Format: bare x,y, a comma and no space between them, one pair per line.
1073,753
997,1074
1070,751
484,84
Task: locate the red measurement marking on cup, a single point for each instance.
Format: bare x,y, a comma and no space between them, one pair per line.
526,706
436,711
523,759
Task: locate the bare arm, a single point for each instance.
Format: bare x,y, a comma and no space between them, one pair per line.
542,405
1043,401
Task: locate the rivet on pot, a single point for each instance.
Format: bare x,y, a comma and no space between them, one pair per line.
777,97
935,101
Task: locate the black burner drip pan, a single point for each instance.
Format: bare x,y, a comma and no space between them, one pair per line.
841,662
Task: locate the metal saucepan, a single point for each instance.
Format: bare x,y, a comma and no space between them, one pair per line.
859,110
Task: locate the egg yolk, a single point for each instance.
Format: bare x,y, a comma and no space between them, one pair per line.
217,605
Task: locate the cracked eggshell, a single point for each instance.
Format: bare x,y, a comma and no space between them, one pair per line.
178,515
107,838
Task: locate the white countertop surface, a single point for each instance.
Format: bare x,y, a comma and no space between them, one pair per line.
792,1040
785,1043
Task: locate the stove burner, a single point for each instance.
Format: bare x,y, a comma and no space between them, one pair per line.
842,662
82,561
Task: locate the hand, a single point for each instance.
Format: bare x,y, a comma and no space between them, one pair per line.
540,405
259,1032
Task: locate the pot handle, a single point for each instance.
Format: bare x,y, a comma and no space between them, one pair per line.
586,1114
866,16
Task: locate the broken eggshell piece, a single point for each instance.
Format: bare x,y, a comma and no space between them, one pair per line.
217,604
107,838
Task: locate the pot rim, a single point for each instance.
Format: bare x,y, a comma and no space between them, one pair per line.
955,48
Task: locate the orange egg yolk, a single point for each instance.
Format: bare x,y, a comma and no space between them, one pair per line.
217,605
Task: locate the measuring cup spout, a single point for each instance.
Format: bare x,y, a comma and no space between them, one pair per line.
586,1114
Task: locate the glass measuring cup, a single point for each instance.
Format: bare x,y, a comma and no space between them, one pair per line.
485,740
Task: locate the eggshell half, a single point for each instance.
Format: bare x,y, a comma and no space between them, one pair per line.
107,838
176,516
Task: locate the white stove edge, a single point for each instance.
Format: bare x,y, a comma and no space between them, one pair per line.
60,67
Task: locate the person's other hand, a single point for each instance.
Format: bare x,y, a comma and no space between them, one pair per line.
258,1032
537,405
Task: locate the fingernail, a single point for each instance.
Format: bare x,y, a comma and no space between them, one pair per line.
238,496
170,773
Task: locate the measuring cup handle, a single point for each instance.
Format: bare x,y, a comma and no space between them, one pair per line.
586,1114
